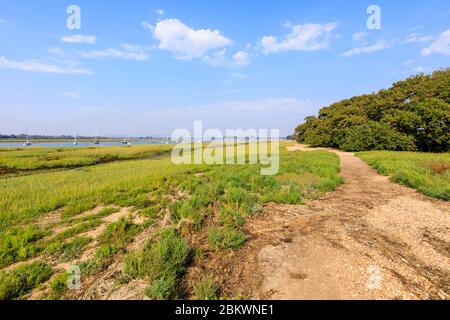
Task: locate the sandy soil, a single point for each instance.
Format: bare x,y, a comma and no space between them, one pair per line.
370,239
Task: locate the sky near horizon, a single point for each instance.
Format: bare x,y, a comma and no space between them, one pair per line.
141,68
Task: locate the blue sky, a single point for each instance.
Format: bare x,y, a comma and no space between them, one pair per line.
149,67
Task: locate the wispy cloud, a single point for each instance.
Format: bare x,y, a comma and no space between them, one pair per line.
79,39
417,37
127,51
220,58
71,94
55,51
419,69
185,42
408,62
441,45
159,12
36,66
377,46
238,75
2,21
303,37
359,36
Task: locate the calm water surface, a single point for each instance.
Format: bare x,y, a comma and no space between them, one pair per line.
80,144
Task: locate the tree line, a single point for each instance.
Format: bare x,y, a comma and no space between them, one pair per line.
412,115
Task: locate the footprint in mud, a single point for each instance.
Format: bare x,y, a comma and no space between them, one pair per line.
298,276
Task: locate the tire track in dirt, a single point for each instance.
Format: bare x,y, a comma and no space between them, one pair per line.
370,239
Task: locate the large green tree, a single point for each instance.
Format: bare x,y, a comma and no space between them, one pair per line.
414,114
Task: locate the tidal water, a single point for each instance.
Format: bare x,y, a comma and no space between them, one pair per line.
80,144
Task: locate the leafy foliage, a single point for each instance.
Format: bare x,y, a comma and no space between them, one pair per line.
412,115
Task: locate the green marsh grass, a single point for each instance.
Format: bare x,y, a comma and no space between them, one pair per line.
153,187
57,158
206,289
428,173
14,284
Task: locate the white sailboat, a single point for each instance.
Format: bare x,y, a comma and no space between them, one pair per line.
96,142
27,142
75,143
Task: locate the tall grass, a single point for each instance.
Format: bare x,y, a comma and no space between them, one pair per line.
429,173
22,280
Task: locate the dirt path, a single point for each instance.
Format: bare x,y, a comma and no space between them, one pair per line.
370,239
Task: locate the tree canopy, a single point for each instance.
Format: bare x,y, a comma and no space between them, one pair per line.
412,115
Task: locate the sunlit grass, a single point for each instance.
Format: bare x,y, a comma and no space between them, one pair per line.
52,158
190,194
429,173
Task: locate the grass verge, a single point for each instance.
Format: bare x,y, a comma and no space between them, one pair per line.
428,173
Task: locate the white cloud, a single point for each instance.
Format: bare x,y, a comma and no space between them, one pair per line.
55,50
127,51
441,45
303,37
241,59
416,37
79,39
2,21
71,94
159,12
148,26
377,46
36,66
220,58
184,42
408,62
360,36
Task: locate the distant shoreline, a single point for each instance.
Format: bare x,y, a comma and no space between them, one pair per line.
83,140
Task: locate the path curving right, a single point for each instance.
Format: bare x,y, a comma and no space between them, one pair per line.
370,239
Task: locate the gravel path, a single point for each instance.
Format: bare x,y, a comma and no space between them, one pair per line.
370,239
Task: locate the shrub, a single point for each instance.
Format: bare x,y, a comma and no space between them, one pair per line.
22,280
412,114
162,289
100,261
58,286
376,136
226,238
161,262
18,244
165,257
205,289
68,251
119,234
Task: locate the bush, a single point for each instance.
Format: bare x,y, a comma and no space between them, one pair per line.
226,238
412,114
161,262
162,289
167,256
68,251
18,245
205,289
119,234
58,286
22,280
376,136
100,261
